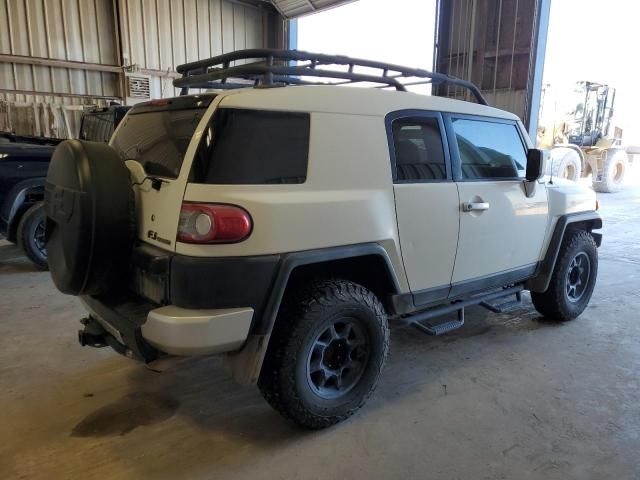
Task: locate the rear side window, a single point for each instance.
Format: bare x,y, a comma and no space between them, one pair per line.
418,149
489,149
253,147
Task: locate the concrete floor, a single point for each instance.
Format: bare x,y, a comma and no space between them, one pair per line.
510,396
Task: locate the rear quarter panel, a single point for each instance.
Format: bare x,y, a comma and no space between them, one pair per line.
347,198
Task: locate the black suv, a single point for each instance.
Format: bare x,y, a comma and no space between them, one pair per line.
24,162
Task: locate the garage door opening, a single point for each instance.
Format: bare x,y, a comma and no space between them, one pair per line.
402,34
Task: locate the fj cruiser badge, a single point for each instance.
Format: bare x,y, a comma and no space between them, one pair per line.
154,236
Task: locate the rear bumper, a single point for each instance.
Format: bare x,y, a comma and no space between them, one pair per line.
143,332
180,331
203,283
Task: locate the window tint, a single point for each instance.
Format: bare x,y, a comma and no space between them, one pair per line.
158,139
418,149
253,147
97,127
489,149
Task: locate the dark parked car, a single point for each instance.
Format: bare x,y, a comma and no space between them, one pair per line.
24,162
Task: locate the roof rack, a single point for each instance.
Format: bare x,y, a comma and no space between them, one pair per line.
294,67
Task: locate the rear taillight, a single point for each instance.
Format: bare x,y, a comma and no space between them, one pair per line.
213,223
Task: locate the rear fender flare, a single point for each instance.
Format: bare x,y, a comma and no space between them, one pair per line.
245,364
17,198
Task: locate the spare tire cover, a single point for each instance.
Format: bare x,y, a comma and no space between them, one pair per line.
90,217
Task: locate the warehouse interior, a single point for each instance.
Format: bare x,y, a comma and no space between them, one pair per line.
510,395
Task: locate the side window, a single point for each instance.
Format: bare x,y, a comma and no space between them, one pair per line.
253,147
489,149
418,149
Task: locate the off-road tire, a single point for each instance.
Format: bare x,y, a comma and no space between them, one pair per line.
614,171
304,314
554,304
30,222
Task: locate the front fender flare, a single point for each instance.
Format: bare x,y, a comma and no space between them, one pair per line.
589,220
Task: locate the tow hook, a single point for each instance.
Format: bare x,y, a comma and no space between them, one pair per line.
93,335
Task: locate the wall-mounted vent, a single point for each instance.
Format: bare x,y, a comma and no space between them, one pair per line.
138,87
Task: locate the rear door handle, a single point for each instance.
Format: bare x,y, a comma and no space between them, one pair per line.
475,206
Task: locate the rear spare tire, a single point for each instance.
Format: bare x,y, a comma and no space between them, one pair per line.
90,220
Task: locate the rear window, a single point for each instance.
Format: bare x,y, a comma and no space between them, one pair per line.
97,127
253,147
158,136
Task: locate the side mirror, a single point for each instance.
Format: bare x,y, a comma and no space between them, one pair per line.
535,165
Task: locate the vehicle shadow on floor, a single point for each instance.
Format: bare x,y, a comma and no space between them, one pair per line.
201,392
199,404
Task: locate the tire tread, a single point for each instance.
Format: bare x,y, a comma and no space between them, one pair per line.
552,303
277,384
23,241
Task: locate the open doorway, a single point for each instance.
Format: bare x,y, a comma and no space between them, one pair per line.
399,32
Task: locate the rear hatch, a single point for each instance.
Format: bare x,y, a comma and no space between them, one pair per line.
154,139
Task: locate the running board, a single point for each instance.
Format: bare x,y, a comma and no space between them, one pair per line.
418,320
440,328
503,307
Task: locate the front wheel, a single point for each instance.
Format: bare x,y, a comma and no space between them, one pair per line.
31,235
614,170
326,353
572,280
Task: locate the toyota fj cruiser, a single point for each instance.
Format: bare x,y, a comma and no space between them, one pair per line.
285,224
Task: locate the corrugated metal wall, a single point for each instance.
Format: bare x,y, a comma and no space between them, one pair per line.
158,35
57,56
78,31
492,43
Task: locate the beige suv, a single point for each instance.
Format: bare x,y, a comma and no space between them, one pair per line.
284,221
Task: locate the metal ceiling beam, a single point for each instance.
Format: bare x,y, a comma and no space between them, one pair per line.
35,93
94,67
49,62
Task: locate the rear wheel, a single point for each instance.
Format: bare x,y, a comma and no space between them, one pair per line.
572,281
326,353
31,235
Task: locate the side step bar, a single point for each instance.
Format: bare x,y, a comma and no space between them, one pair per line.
417,319
503,307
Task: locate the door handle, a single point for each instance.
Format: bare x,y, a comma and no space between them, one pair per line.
475,206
